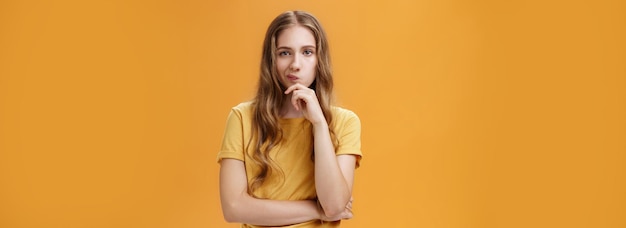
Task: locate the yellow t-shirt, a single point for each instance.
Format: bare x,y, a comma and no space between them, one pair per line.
292,155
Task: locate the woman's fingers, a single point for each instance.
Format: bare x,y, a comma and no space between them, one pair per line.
348,215
295,100
294,87
305,100
300,93
349,205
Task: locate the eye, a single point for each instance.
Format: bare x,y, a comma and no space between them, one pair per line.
284,53
308,52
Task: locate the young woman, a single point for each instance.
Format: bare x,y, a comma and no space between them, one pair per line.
288,156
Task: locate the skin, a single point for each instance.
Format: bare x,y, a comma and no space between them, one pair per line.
296,62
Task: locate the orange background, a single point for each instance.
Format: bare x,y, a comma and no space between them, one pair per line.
474,113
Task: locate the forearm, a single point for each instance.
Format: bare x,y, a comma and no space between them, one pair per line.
265,212
240,207
333,191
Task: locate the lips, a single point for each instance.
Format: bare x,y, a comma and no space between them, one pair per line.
292,77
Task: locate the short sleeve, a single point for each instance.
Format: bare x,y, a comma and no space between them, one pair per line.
232,143
349,136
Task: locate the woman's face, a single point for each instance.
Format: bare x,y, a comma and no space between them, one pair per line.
296,59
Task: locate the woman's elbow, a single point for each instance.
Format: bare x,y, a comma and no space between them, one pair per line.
230,212
229,218
333,211
234,207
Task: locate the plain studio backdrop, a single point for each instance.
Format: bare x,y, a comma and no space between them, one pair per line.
474,113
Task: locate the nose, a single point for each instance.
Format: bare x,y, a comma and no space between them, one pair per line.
295,63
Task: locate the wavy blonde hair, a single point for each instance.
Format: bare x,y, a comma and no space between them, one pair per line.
266,132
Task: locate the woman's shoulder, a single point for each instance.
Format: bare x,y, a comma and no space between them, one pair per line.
244,108
340,113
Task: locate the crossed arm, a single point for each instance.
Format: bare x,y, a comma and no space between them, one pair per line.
334,176
240,207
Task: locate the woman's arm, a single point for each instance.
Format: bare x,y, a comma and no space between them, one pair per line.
334,175
239,207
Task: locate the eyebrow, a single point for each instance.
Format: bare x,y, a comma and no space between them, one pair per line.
303,47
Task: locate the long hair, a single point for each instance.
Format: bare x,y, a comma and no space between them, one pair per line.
266,132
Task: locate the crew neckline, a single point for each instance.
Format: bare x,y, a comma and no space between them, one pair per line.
292,120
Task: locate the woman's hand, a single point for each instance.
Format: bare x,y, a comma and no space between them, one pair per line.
304,99
345,214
